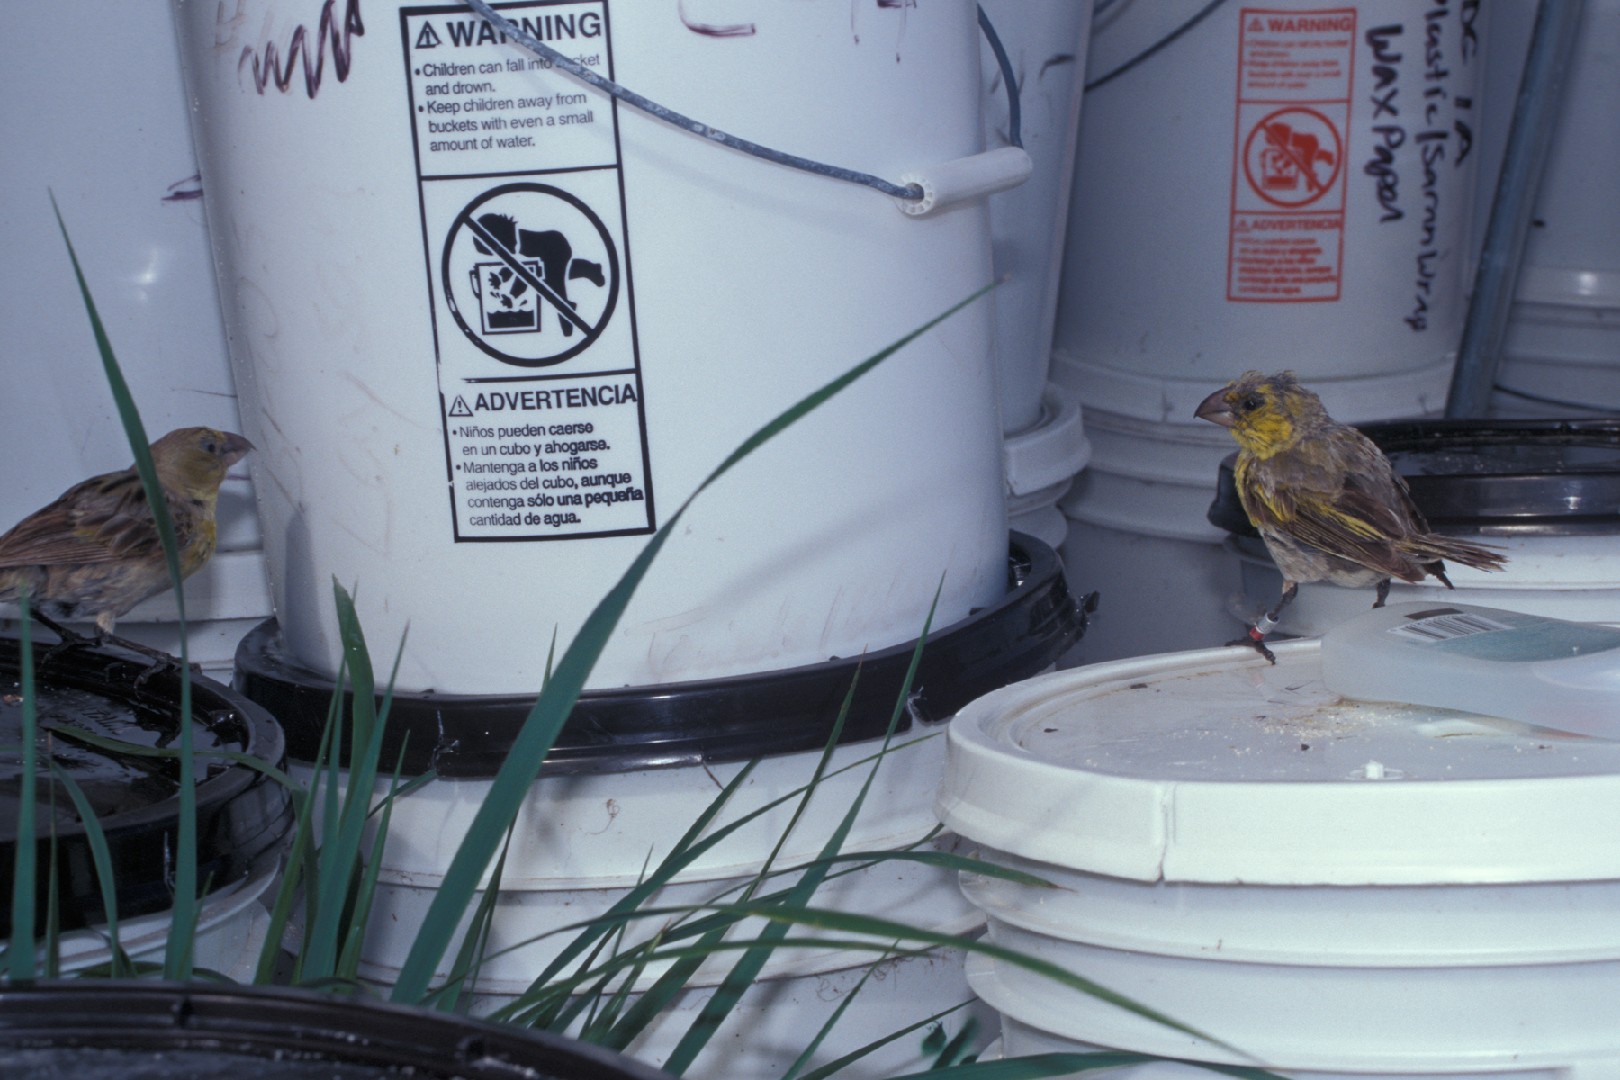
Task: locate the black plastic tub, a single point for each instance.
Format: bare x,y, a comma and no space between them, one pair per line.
243,817
703,722
106,1030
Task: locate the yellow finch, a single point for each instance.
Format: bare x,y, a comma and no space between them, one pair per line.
1328,504
94,552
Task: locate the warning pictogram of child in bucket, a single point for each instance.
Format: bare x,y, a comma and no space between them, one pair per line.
1292,157
531,274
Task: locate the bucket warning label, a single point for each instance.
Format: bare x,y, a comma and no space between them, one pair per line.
522,202
1288,178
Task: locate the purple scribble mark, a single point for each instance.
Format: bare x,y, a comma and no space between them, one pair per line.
718,30
298,50
180,191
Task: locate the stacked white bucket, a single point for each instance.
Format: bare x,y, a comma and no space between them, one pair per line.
1561,354
113,145
742,286
1183,163
1046,444
1275,876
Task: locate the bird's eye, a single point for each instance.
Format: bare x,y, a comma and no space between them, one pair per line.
210,446
1251,403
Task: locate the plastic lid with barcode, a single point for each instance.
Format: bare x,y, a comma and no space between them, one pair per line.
1531,668
1216,767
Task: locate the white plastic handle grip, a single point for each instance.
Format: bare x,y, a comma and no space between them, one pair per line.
952,182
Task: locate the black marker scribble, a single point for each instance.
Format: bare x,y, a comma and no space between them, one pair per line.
268,67
1054,61
185,190
719,30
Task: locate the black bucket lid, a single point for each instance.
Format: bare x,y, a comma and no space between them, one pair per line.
243,817
95,1029
703,721
1535,477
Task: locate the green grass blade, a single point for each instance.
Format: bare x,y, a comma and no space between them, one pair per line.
829,1024
674,981
177,955
511,785
686,849
53,902
340,854
1039,1066
354,933
294,879
101,859
837,1065
19,960
751,963
470,957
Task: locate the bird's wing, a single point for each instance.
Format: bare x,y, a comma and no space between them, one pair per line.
1341,496
103,519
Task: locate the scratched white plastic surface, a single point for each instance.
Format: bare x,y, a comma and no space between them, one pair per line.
1214,766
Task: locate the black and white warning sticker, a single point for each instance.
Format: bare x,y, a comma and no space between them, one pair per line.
523,221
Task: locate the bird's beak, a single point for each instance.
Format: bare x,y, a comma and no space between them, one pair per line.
1215,409
236,448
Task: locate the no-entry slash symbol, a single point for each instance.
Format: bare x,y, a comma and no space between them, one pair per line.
513,257
1292,157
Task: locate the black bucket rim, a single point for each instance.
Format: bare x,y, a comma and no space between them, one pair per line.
149,1014
1524,502
243,816
709,721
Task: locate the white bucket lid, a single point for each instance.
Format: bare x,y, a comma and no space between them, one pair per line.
1216,767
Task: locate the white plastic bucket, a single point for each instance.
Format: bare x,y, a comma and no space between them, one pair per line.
581,842
1561,355
1042,462
1046,47
1320,886
1138,529
112,144
232,925
1283,186
362,314
1563,577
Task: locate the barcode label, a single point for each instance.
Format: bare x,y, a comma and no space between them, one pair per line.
1454,624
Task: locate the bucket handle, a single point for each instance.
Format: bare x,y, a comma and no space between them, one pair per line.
942,186
952,182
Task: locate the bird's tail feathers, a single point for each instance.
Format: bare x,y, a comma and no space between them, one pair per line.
1478,556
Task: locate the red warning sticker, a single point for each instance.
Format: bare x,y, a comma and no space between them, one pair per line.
1286,242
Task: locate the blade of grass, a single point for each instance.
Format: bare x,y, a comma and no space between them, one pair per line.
831,1022
525,1009
470,957
53,899
674,981
178,953
341,852
20,956
751,963
1058,1064
551,709
101,859
354,933
296,878
833,1067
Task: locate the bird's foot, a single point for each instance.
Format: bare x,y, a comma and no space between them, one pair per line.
1256,640
1256,637
66,640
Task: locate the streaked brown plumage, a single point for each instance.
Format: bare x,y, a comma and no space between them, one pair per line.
1325,499
94,552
